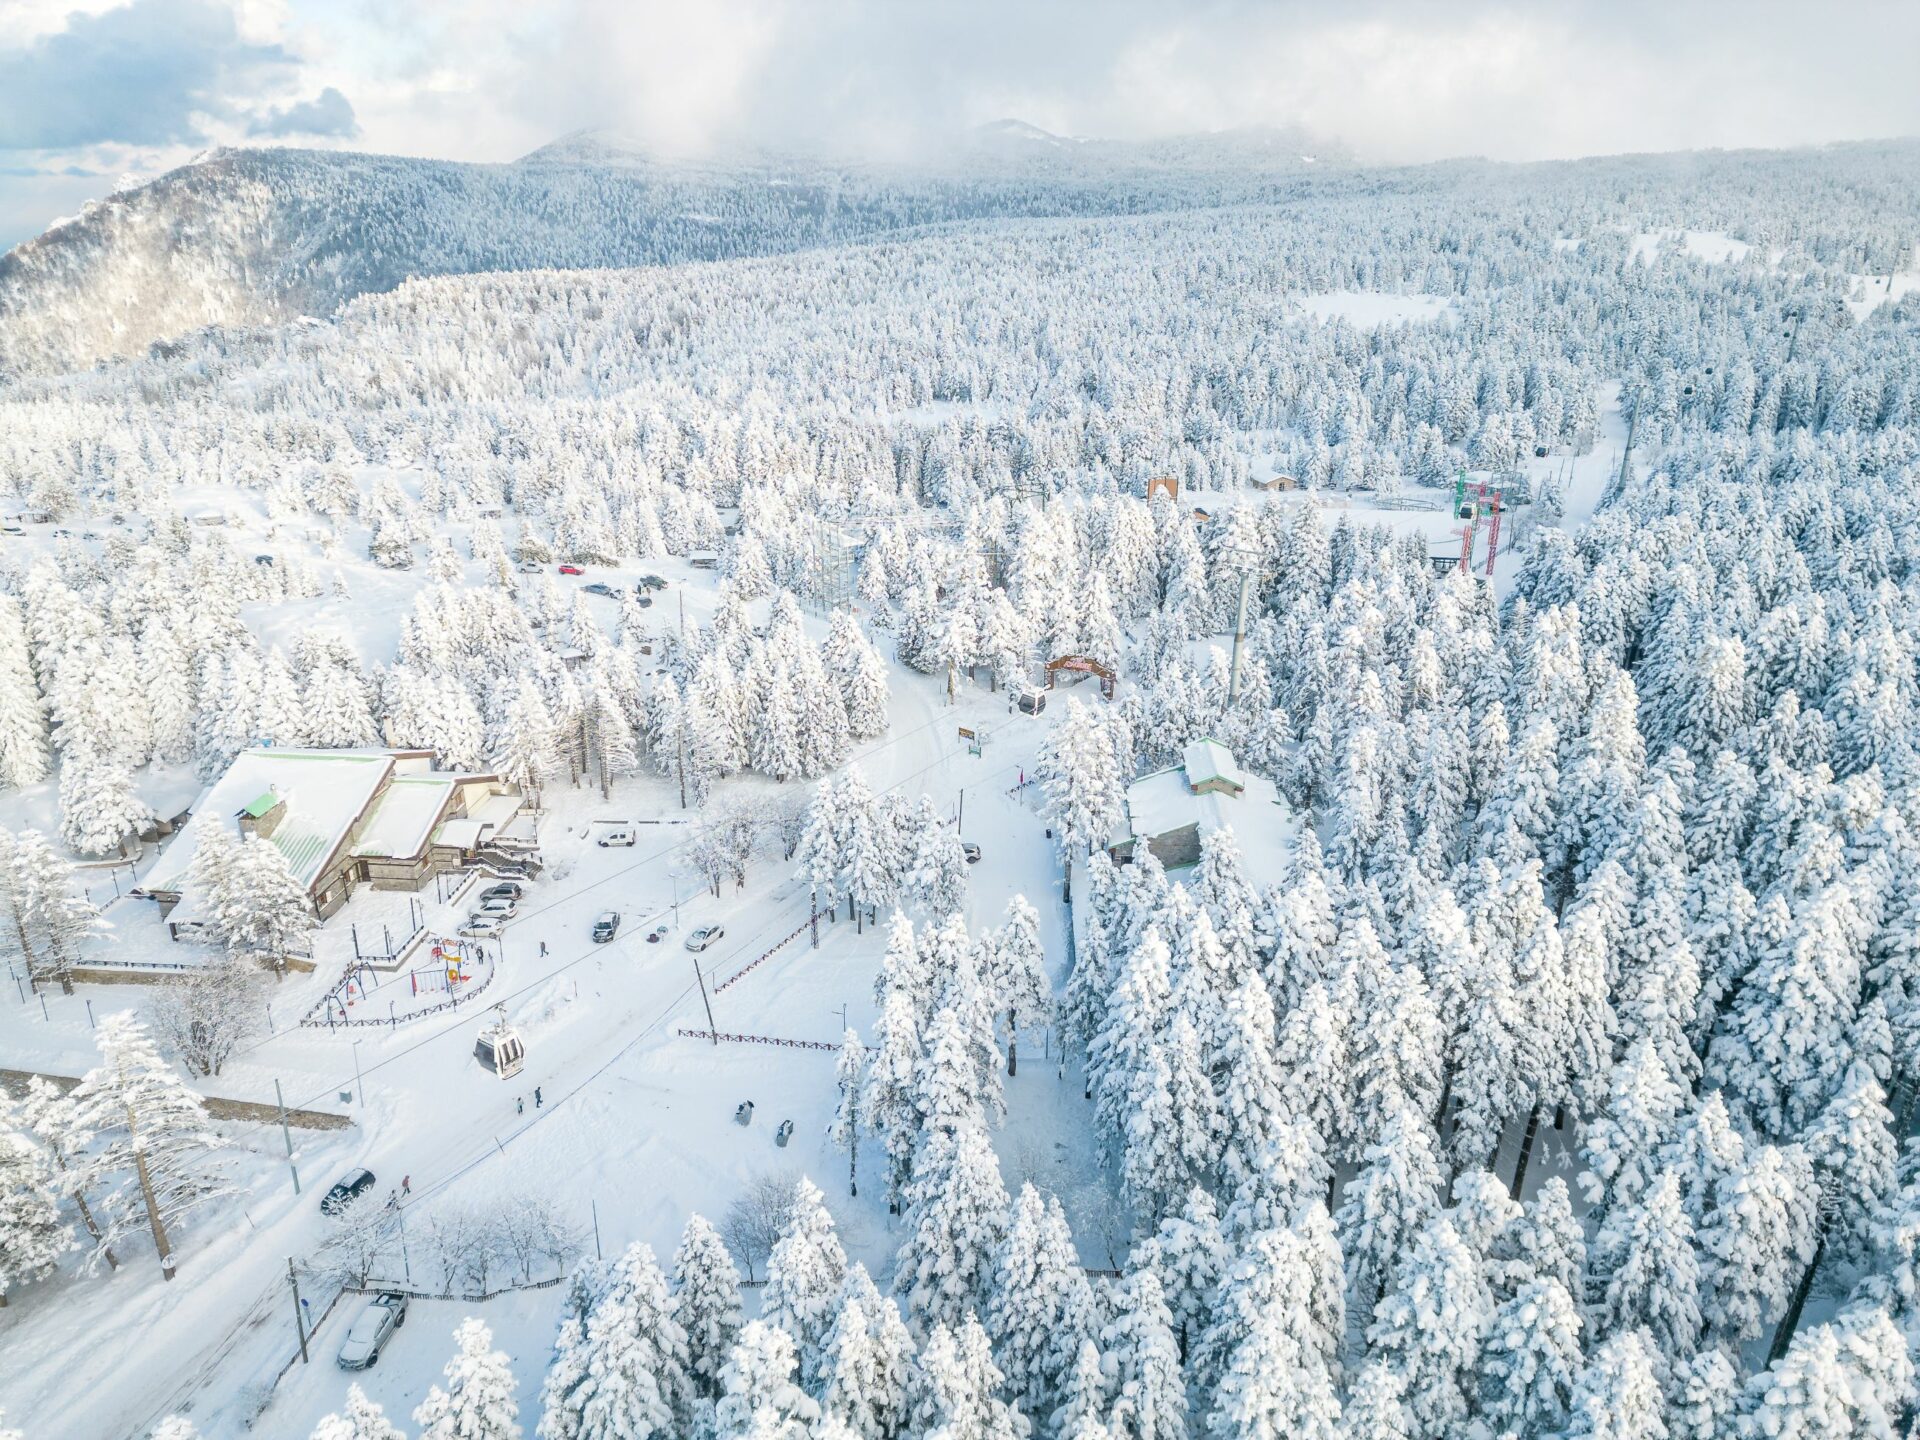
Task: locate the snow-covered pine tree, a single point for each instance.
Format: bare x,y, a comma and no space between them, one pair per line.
1617,1396
1390,1199
363,1419
48,919
759,1399
1759,1239
956,1215
33,1236
23,718
1137,1016
1431,1324
1701,1395
889,1103
478,1403
863,1383
1080,776
956,1388
706,1302
1041,1308
153,1152
1189,1254
636,1383
523,749
850,1079
1374,1408
1267,1359
1013,965
99,807
805,1270
1149,1390
1531,1358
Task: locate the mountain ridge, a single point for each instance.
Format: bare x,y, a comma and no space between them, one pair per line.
243,237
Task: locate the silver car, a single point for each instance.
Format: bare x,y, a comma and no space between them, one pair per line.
703,937
385,1313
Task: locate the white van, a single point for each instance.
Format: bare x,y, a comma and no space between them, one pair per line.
619,835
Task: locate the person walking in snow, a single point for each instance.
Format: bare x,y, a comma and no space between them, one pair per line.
536,1097
519,1104
406,1184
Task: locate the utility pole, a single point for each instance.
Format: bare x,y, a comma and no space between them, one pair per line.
813,914
712,1029
360,1085
299,1318
285,1134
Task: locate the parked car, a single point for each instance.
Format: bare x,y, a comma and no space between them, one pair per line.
650,582
483,927
606,925
642,599
368,1336
505,906
531,567
657,933
346,1192
619,835
705,937
971,851
505,890
571,570
263,559
600,587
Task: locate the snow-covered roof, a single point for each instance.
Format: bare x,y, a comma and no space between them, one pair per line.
1206,760
325,792
496,810
1262,823
462,834
404,815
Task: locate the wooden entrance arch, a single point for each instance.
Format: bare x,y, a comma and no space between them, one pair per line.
1084,665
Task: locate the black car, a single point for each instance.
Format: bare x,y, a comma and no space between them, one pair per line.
650,582
346,1192
506,890
597,588
642,599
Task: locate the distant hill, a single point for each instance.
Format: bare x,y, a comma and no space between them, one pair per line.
250,237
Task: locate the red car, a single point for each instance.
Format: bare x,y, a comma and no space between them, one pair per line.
571,570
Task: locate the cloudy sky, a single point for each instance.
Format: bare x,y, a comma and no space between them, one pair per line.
93,92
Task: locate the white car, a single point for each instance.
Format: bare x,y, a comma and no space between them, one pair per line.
483,927
705,936
385,1313
505,906
619,835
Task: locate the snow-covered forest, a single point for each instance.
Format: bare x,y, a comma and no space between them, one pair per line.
1560,1084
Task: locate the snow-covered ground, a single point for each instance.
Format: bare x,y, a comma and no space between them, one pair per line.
637,1117
1370,309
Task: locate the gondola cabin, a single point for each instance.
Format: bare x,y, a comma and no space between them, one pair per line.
500,1048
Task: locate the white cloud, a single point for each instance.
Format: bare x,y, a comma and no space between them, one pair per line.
1395,79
